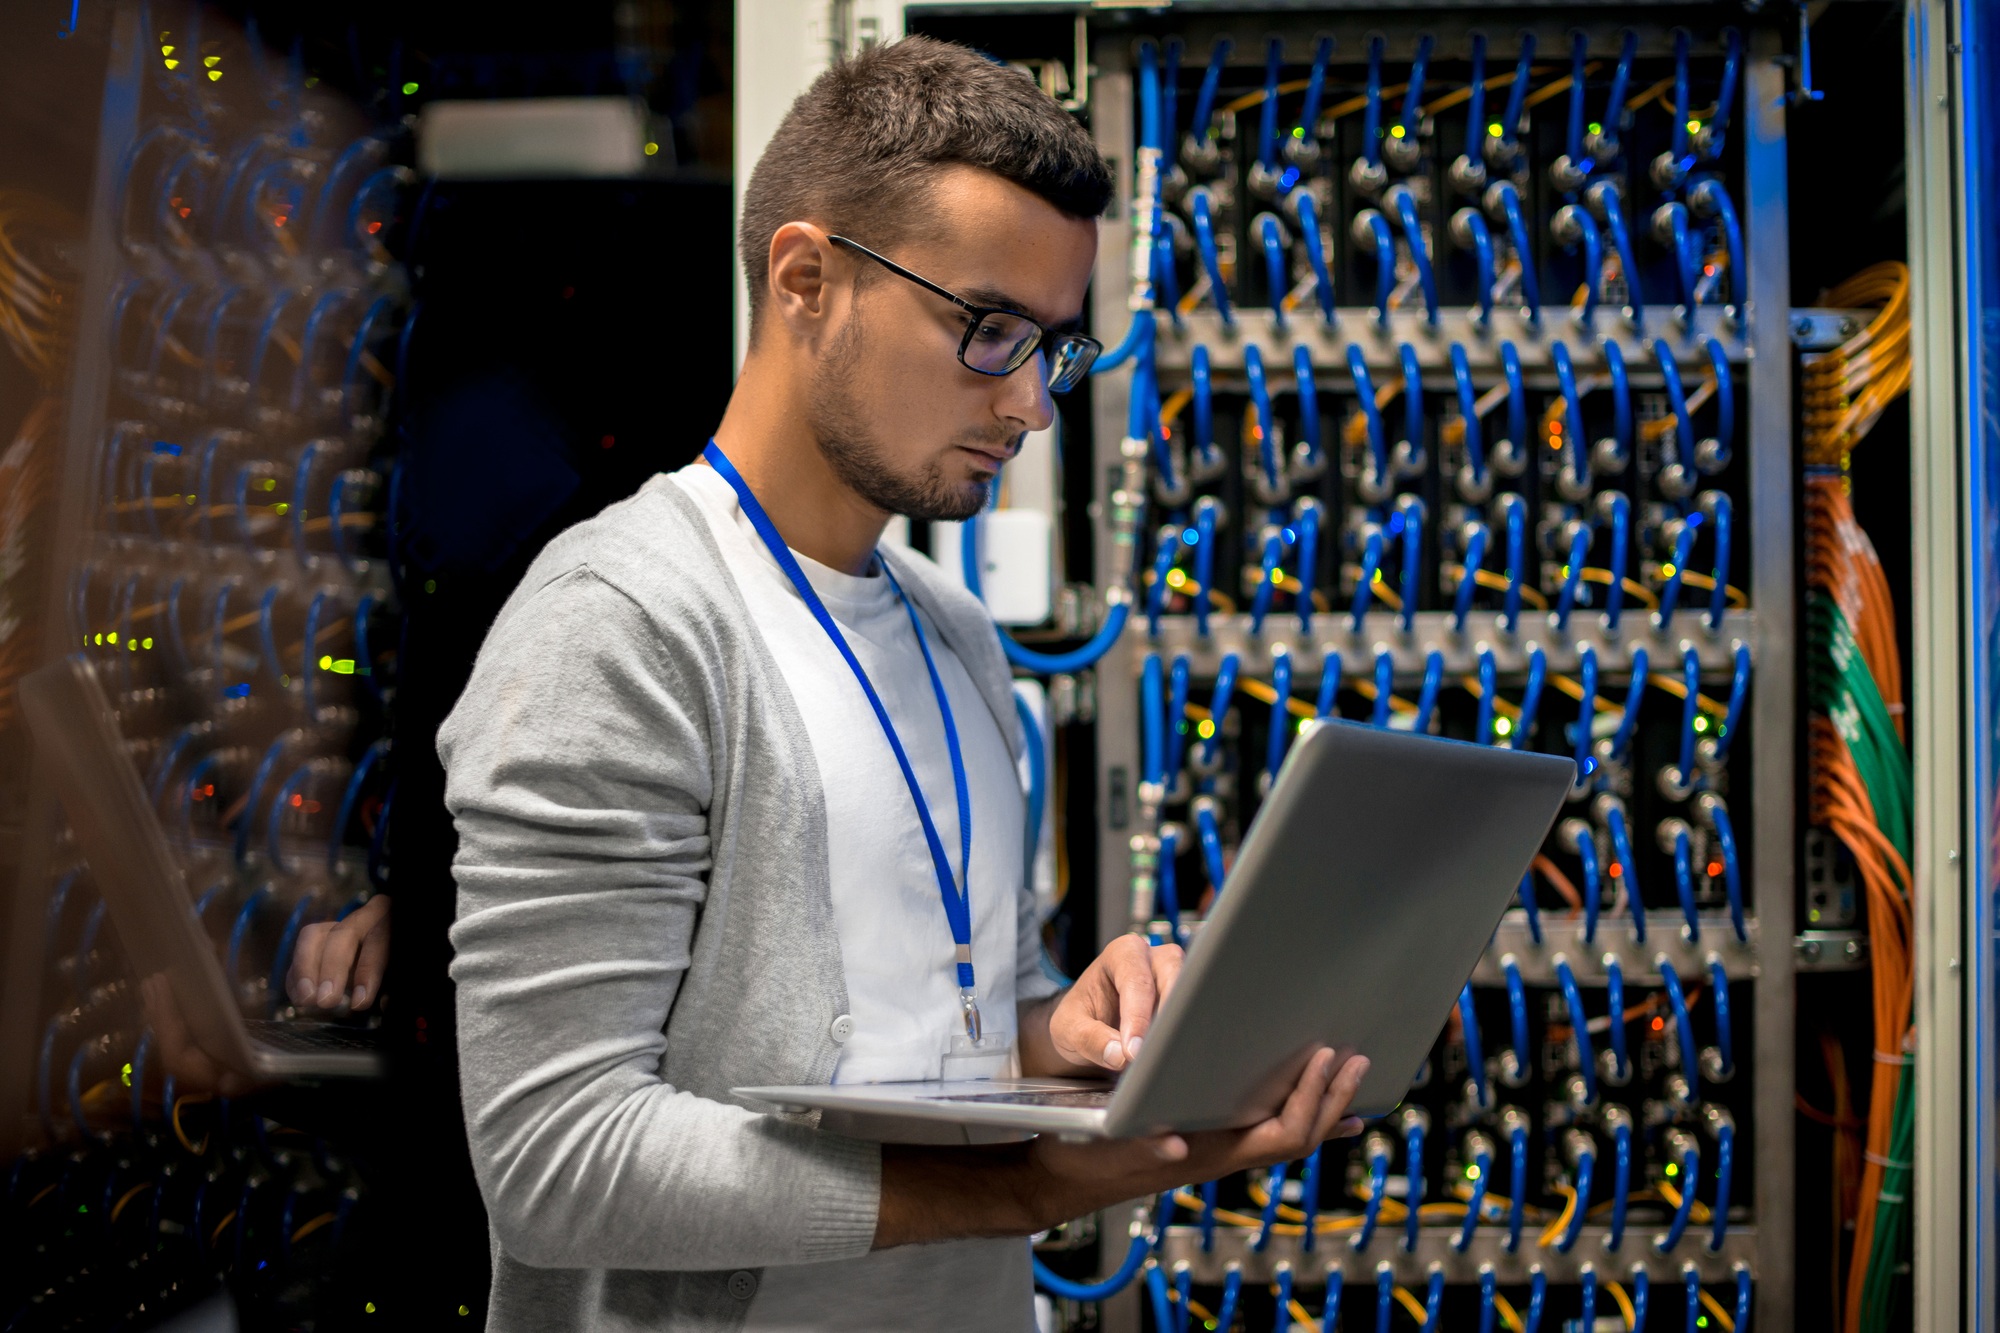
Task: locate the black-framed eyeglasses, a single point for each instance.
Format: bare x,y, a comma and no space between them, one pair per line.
999,341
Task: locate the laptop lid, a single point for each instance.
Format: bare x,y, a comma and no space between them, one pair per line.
1365,891
76,735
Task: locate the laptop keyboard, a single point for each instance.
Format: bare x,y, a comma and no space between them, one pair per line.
1095,1100
318,1038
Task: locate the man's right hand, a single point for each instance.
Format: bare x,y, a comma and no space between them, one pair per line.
931,1194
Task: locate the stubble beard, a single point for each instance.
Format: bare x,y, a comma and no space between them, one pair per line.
857,456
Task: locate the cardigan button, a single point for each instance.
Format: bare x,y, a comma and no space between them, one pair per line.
841,1029
743,1284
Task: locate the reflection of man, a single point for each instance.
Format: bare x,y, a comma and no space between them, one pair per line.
735,789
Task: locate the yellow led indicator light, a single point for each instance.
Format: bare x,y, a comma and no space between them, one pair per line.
269,484
125,1074
1494,130
97,639
281,508
1667,570
463,1310
410,88
214,74
1673,1169
211,61
1694,127
1700,723
651,148
1299,132
1472,1172
112,638
1205,728
369,1307
1503,726
1596,128
147,644
1397,131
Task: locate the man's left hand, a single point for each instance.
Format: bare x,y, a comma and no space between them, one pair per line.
1101,1021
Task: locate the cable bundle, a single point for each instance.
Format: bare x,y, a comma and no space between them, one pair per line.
1860,772
34,283
24,489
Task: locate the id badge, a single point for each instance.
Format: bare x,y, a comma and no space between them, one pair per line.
991,1056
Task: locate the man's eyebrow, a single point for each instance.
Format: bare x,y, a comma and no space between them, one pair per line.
994,296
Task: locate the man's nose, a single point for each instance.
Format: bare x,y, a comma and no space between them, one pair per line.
1024,395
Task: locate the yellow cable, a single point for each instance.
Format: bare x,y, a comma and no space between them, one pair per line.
1698,1213
314,1225
1722,1316
1633,588
1412,1304
1555,1228
180,1133
1624,1305
1508,1314
127,1197
1264,694
1302,1318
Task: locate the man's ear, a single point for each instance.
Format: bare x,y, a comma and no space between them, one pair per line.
802,266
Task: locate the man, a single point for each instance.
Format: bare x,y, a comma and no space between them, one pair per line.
715,767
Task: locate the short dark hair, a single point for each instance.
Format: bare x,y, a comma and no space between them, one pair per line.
860,149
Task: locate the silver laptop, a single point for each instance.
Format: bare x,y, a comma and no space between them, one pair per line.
76,735
1365,891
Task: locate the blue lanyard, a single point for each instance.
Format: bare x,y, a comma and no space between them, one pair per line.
957,903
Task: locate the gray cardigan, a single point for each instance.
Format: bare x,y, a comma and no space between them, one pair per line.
645,921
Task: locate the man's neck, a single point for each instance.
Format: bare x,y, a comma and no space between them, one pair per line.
815,511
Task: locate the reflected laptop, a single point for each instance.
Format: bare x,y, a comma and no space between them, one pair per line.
76,734
1365,891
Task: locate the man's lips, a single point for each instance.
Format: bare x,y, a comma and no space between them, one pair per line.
996,458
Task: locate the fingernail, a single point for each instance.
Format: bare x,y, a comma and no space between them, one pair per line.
327,990
1132,1047
1114,1054
360,994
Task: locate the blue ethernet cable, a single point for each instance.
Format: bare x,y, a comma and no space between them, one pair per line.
239,930
1371,120
1218,708
1260,400
1525,892
274,817
1739,690
1433,1299
1469,581
1575,477
1167,546
1385,1296
1413,96
1482,1173
1517,568
1142,421
1029,659
1635,694
1282,1320
1670,371
1538,1297
1307,214
1586,1168
1271,237
1614,994
1691,1280
1614,105
1725,1163
1336,1283
1329,686
139,1055
1683,1029
1517,1193
1593,885
1211,841
1205,518
1169,903
1684,881
1708,197
1718,597
1308,391
1309,1181
1670,592
1579,53
1732,875
1531,696
1588,1278
1718,987
1475,231
1468,415
1642,1290
1203,406
1488,1291
1572,224
1604,194
1364,586
1579,552
1166,281
1579,1024
1378,1186
1410,514
1385,675
1714,453
1427,697
1682,159
1510,124
1679,239
1709,149
1280,730
1621,1179
1621,545
1475,1055
1473,174
281,958
1742,1298
1383,244
1270,570
1176,720
1517,1018
1509,199
1511,454
1413,236
1684,771
1207,1221
1036,745
1111,1285
1621,851
1156,1288
1307,130
1152,706
1170,81
1489,687
1204,102
1273,1198
1267,120
1413,1164
1211,262
1376,476
1586,670
1410,449
1306,518
1183,1291
1232,1292
310,655
1621,403
254,799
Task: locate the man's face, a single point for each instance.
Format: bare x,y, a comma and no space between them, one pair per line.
897,416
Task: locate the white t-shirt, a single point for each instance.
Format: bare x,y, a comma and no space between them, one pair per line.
895,943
